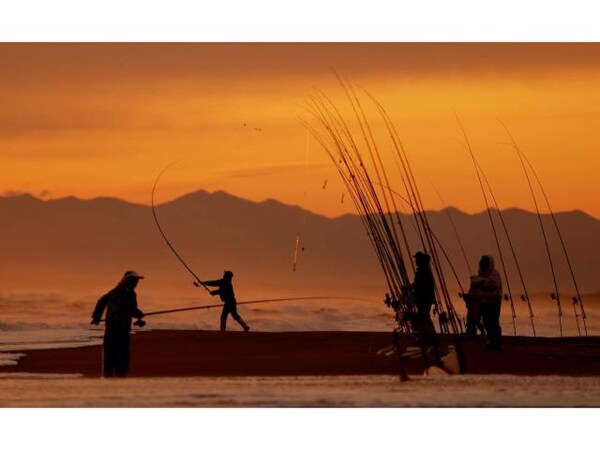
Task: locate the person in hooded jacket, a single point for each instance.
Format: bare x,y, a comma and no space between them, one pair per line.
121,307
225,292
486,287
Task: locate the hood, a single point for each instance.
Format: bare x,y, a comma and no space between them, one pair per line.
492,263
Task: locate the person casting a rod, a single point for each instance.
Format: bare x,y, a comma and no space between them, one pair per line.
225,292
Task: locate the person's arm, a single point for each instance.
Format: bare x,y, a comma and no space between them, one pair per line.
99,309
135,312
215,283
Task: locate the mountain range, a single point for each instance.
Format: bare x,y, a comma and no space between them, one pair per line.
75,245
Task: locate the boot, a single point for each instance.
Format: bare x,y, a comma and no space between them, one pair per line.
243,324
223,325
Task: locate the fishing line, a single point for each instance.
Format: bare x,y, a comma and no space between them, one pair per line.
162,233
251,302
303,221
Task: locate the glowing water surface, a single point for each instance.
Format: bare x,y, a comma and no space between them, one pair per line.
27,390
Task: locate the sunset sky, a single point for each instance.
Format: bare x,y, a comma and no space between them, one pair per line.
104,119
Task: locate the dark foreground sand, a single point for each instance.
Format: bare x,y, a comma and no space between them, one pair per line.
161,353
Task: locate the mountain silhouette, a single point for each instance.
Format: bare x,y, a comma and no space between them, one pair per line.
74,245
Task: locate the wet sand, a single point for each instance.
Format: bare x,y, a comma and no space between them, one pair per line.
183,353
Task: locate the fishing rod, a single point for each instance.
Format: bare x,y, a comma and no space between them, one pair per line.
414,195
270,300
415,201
401,154
478,172
455,230
523,159
349,163
525,295
367,219
556,295
367,185
340,146
162,233
437,240
379,214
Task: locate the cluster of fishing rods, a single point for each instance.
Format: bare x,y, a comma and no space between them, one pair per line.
487,194
368,184
357,157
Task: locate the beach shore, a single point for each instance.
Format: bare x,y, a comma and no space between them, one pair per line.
184,353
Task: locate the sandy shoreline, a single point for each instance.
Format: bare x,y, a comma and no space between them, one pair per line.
185,353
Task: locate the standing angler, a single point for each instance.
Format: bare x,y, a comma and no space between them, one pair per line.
423,289
225,292
121,306
487,288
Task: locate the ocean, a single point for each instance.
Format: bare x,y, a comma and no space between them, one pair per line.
37,321
55,321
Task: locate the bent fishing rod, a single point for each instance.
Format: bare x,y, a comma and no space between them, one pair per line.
576,300
453,225
162,233
435,237
479,173
525,295
555,296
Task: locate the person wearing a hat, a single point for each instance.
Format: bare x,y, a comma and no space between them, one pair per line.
121,307
225,292
423,290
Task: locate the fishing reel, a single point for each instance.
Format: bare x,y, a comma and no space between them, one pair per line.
140,323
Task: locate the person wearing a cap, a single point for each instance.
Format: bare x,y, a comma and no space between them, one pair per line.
121,307
225,292
423,289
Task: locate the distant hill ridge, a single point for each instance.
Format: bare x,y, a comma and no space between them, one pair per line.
199,194
71,243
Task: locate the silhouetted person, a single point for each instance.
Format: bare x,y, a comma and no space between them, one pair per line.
423,289
473,304
121,306
225,292
487,287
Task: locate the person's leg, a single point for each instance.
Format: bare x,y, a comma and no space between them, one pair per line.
427,336
236,316
487,320
224,314
108,356
498,336
490,312
471,320
122,355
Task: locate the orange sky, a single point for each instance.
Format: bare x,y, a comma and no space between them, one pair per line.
103,119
